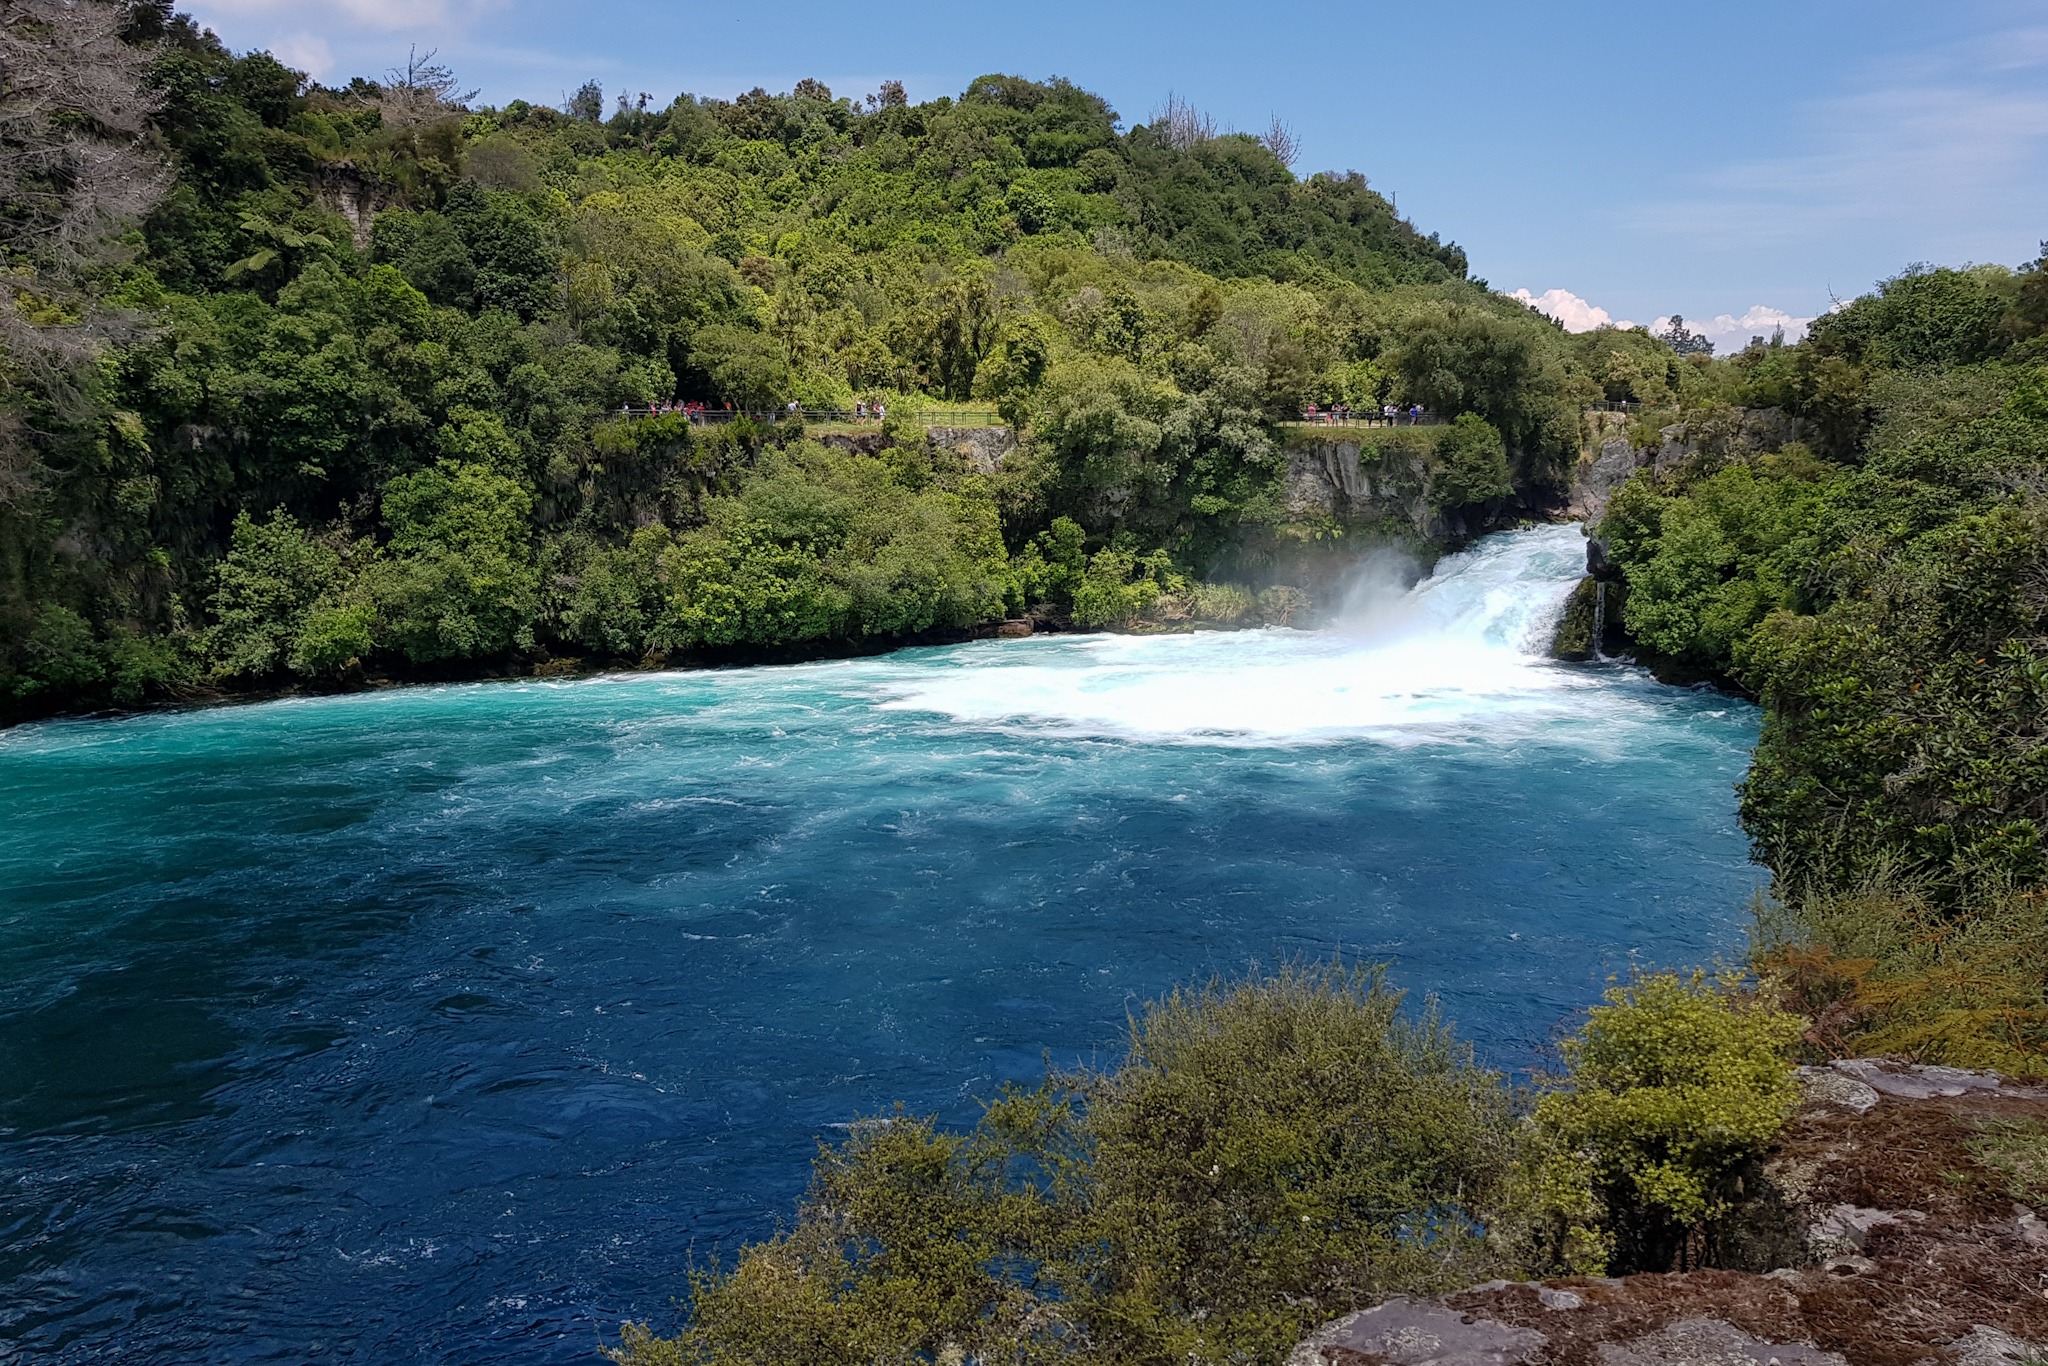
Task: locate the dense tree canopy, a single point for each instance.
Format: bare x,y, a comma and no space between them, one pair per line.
346,312
1880,583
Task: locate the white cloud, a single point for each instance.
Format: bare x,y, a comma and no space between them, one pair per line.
307,52
1726,331
384,14
1730,333
1568,308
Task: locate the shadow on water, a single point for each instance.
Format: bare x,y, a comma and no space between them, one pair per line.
119,1050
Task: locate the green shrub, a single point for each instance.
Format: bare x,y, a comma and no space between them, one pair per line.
1120,586
263,591
1224,604
1053,563
817,543
1270,1153
1276,1152
459,581
61,654
618,594
736,586
1671,1088
333,636
1470,464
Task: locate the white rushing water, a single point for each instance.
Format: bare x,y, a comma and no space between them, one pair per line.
1465,649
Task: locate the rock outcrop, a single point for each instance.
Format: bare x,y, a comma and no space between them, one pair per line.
356,195
1600,472
1612,455
1384,483
1907,1247
1341,478
983,448
1404,1333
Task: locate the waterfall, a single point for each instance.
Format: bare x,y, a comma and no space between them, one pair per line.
1599,619
1465,648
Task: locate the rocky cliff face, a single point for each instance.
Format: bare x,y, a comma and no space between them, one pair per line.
983,448
1382,480
1342,479
1612,455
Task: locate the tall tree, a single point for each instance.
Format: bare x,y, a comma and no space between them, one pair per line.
74,171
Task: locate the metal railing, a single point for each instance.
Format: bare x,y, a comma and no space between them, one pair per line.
979,417
1406,417
942,417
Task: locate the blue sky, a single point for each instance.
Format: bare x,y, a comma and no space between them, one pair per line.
1644,158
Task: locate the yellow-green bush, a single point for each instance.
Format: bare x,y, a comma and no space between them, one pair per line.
1672,1086
1897,965
1270,1154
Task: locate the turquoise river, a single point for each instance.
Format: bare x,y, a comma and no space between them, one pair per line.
450,1024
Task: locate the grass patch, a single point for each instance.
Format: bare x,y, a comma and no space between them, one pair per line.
1894,966
2015,1151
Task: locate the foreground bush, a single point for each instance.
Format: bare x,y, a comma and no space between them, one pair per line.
1270,1154
1674,1086
1899,966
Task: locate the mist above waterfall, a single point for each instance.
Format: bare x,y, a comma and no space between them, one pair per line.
1373,596
1408,659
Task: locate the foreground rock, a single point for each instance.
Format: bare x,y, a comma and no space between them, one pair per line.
1890,1238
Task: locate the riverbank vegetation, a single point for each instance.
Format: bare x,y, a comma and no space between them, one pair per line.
1877,576
333,387
1271,1153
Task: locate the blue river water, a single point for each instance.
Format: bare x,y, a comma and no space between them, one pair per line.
449,1024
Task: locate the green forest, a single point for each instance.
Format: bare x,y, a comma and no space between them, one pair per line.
1880,585
336,390
318,387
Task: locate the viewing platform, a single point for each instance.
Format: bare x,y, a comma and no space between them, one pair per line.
940,415
827,419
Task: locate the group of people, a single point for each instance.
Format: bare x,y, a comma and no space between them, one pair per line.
864,411
1340,411
690,409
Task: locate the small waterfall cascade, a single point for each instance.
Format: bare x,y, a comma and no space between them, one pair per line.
1599,620
1502,595
1463,649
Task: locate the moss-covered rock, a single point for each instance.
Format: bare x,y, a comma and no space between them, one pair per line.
1591,625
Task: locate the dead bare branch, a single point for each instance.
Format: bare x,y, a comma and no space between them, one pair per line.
1281,141
1179,124
423,91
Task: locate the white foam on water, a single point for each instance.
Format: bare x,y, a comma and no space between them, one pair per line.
1464,651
